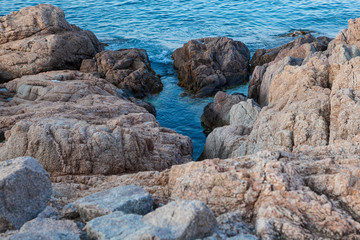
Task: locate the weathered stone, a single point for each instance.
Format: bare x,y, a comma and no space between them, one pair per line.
48,229
176,220
299,48
128,69
184,219
260,82
73,123
25,189
217,113
244,113
223,142
38,39
232,225
128,199
208,65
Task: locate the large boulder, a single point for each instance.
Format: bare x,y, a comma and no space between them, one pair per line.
38,39
176,220
244,113
208,65
127,199
128,69
299,48
25,189
217,113
75,123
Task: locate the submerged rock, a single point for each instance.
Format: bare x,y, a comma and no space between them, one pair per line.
208,65
38,39
25,189
217,113
75,123
128,69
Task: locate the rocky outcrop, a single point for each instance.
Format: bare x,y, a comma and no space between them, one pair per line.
25,189
38,39
75,123
299,48
217,113
244,113
176,220
127,199
128,69
208,65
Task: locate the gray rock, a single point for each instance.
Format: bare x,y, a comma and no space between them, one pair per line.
49,212
184,219
244,113
25,188
117,226
176,220
232,224
48,229
128,199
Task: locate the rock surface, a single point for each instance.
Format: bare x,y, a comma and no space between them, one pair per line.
299,48
217,113
48,229
75,123
128,69
25,189
176,220
208,65
244,113
38,39
128,199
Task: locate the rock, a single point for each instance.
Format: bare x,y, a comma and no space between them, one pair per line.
176,220
118,225
75,123
208,65
184,219
299,48
38,39
50,212
244,113
263,76
128,199
233,226
298,112
48,229
223,142
24,192
296,33
217,113
128,69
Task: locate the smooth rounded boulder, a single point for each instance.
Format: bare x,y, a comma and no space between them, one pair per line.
208,65
25,189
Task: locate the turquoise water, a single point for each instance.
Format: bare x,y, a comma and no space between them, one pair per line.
163,25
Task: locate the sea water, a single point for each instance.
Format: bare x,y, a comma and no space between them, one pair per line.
160,26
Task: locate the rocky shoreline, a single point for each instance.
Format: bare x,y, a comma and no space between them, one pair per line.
83,157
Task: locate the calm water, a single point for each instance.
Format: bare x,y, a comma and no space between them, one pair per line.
163,25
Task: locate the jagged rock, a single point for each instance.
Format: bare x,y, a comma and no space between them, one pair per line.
38,39
75,123
128,69
299,48
128,199
48,229
208,65
244,113
25,189
176,220
260,82
217,113
232,225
